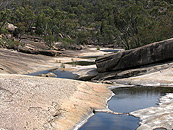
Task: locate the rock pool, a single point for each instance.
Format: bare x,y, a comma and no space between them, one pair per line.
126,100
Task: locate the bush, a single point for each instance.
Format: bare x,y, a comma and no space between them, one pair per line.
2,43
49,40
9,43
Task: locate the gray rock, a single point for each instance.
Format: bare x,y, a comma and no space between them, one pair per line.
157,67
156,117
108,62
155,52
10,27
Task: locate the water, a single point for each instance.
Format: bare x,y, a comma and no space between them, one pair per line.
131,99
58,73
107,121
126,100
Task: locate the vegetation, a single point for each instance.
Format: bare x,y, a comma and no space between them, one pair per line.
126,23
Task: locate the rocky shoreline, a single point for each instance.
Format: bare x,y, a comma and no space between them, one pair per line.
75,100
157,117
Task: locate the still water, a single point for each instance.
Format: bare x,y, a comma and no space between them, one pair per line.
58,73
126,100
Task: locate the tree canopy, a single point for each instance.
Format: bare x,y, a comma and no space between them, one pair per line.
126,23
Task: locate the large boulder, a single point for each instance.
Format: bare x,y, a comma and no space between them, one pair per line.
155,52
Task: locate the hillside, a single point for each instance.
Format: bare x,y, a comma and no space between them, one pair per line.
127,23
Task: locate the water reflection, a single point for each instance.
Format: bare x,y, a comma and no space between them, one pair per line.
126,100
58,73
106,121
131,99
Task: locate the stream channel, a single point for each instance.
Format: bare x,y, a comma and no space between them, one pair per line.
125,100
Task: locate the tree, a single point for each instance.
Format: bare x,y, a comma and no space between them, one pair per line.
21,29
29,18
129,21
4,18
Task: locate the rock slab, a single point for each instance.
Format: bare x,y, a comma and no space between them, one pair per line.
30,103
155,52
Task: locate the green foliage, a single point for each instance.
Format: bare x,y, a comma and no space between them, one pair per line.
9,43
50,39
4,18
98,47
21,29
2,43
67,43
127,23
3,31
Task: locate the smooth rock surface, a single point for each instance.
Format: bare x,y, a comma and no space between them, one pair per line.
160,116
159,78
155,52
14,62
29,103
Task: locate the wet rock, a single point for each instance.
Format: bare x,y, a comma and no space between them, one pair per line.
155,52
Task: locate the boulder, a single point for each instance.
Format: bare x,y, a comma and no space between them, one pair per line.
11,27
49,52
151,53
37,51
27,50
